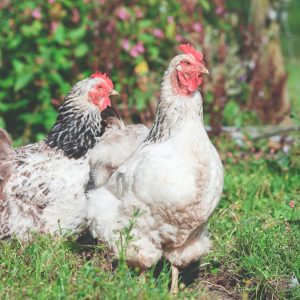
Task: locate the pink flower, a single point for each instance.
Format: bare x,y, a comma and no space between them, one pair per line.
36,14
53,26
51,1
55,102
140,47
179,38
170,19
219,10
123,14
125,44
139,14
157,32
75,15
197,27
110,27
137,49
292,204
133,52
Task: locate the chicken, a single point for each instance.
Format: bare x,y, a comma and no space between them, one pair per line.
168,188
43,185
113,149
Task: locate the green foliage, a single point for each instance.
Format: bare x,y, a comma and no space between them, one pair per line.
46,46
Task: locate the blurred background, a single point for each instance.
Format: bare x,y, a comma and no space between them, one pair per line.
251,47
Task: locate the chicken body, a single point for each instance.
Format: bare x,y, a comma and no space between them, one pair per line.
43,186
45,192
113,149
167,189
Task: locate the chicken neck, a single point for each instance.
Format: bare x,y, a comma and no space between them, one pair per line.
75,130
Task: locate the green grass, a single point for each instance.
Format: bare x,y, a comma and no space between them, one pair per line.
256,248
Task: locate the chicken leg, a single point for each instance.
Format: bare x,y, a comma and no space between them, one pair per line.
174,282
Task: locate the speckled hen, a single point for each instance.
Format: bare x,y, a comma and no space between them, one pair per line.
170,186
43,186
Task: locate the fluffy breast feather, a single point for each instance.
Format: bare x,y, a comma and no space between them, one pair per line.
153,176
113,149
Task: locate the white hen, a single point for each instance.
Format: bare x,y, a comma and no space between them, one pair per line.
174,180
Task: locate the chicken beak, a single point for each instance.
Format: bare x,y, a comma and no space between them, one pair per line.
204,70
114,93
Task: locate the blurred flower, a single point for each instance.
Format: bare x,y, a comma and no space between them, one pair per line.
133,52
170,19
36,14
243,78
292,204
179,38
125,44
51,1
197,27
157,32
123,14
53,26
137,49
110,27
219,10
141,68
139,13
101,1
39,83
55,102
39,60
140,47
75,15
272,14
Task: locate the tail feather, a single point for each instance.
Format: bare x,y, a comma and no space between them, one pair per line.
6,153
5,144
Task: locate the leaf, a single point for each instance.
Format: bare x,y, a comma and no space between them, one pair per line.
154,52
18,66
32,30
170,30
146,38
77,33
14,42
23,80
60,34
7,82
81,50
2,123
205,5
143,24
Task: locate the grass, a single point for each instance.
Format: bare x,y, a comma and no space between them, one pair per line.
256,249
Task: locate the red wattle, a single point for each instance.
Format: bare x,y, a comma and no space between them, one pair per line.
103,103
193,84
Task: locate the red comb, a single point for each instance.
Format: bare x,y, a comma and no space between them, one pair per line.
102,76
99,75
189,49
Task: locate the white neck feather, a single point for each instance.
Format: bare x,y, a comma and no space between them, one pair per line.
174,110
